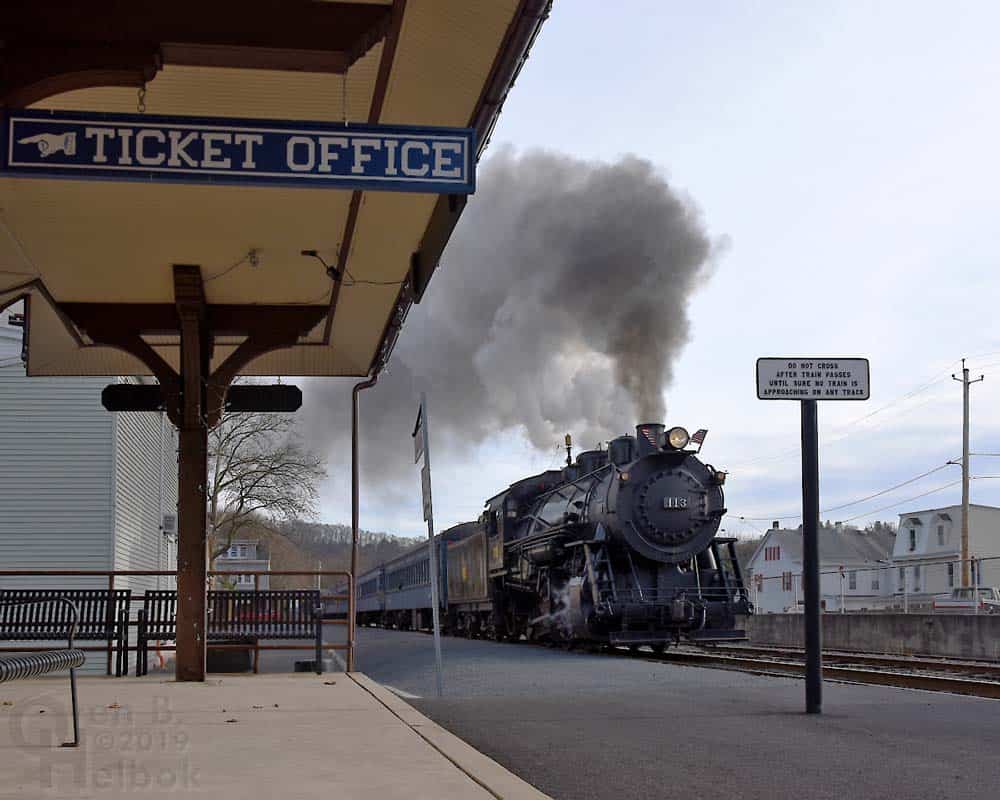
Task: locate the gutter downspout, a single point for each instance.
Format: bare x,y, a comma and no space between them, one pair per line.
352,627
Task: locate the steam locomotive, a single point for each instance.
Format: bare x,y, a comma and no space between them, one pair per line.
618,547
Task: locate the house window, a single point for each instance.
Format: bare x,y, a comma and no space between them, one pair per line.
913,539
941,534
916,578
875,582
951,575
760,582
902,579
772,553
852,580
240,550
786,581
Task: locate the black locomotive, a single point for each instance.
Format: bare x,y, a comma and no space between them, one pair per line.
618,547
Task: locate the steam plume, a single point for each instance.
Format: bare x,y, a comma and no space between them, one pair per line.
560,305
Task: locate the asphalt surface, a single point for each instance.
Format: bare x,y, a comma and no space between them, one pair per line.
582,726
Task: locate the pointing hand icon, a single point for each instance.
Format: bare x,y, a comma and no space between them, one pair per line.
49,143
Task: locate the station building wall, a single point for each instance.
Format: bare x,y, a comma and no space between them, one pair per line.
80,488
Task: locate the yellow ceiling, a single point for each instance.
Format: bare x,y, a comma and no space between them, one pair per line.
116,242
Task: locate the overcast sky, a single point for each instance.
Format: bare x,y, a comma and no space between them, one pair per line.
848,152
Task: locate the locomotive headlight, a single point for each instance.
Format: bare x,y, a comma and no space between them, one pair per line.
678,438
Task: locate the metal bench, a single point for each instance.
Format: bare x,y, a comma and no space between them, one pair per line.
254,615
57,610
29,615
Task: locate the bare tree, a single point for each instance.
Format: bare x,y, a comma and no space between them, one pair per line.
259,471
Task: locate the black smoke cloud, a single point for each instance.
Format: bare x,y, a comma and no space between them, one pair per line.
560,305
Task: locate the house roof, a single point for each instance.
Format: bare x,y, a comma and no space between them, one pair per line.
945,509
841,546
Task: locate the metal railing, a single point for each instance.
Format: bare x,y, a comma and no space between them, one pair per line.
110,576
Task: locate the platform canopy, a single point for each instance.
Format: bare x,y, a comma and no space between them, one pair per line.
95,256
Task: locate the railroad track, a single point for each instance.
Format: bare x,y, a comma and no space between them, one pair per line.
970,678
974,678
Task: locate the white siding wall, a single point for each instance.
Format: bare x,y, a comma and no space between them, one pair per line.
771,598
56,454
145,487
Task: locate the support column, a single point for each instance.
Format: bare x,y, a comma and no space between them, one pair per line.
192,476
191,554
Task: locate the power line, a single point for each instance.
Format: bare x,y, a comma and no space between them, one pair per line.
901,502
859,501
844,431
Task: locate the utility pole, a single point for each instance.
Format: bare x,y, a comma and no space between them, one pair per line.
966,383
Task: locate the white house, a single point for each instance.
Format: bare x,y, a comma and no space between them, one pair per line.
248,556
926,558
80,488
853,569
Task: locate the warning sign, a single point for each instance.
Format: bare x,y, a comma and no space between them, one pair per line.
812,379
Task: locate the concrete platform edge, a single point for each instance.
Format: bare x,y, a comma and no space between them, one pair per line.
482,769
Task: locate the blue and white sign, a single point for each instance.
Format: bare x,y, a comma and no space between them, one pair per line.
144,147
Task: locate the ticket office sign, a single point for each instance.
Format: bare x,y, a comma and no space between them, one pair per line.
146,147
813,379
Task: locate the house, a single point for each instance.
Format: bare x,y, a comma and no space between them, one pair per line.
853,569
80,488
243,555
928,551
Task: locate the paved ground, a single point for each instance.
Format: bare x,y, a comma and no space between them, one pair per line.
247,737
590,726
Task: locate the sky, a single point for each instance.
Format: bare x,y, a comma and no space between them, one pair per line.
847,156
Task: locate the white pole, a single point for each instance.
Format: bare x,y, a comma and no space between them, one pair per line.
842,578
975,581
432,549
906,599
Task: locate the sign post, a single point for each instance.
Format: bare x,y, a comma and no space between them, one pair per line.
421,449
809,380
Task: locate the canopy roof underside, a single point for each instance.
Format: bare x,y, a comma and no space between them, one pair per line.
66,242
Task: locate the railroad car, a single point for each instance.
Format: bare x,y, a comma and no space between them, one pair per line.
619,547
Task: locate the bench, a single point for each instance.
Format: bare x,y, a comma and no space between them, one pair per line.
102,616
234,615
58,610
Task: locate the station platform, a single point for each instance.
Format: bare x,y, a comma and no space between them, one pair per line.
263,736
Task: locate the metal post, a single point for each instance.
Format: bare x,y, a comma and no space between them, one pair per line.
810,557
110,618
352,614
318,613
432,553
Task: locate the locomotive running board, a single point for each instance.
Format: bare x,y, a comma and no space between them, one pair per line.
718,636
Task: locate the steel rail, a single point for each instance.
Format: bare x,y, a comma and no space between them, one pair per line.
843,658
842,673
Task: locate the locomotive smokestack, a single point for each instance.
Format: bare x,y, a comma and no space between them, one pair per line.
649,435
